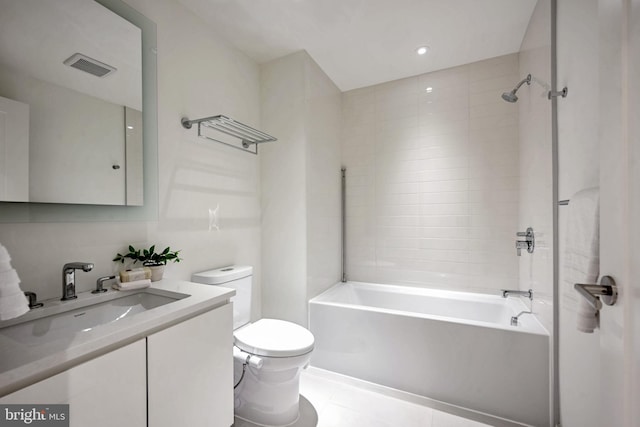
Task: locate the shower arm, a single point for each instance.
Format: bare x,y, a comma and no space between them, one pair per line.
526,80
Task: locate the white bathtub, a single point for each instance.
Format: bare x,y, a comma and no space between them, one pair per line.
455,347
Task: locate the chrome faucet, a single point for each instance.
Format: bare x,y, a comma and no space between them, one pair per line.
69,278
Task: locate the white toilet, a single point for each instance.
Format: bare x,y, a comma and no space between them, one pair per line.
269,355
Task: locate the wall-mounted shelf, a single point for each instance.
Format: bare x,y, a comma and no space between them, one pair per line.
248,136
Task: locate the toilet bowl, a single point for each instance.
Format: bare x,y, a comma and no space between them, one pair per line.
269,355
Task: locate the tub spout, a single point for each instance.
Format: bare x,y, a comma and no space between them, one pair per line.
508,292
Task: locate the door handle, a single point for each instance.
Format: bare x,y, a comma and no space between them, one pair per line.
607,290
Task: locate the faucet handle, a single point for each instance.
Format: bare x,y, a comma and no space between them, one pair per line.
33,300
99,289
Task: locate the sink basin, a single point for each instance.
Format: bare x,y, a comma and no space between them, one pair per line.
67,323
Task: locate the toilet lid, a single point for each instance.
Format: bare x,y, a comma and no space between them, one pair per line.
274,338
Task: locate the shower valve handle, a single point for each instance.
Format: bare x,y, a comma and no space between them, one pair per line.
528,243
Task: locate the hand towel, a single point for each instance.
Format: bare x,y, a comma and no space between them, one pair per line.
582,254
129,286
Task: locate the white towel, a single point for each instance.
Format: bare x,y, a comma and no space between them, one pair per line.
4,254
582,254
13,303
129,286
13,306
5,266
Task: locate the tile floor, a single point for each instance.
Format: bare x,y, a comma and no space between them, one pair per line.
330,400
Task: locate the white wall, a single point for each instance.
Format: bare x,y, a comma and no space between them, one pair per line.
578,156
300,185
323,126
433,178
284,186
536,174
198,75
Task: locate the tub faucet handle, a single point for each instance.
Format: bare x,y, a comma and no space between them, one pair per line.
515,319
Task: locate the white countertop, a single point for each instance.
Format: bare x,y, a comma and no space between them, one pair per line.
23,364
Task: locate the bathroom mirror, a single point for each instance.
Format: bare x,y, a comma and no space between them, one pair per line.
71,82
62,183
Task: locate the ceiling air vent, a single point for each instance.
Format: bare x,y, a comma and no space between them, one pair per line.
89,65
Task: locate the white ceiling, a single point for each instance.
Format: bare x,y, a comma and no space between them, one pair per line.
364,42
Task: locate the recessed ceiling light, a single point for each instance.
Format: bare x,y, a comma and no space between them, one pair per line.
429,89
422,50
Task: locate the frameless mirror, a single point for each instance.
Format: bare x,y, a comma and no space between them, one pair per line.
70,104
12,212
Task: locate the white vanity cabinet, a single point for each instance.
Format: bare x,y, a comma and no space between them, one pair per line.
190,372
181,375
107,391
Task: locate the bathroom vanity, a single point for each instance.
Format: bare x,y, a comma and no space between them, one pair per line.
166,365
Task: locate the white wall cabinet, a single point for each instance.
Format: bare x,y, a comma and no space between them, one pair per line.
107,391
190,372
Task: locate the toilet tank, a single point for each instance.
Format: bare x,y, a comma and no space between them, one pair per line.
236,277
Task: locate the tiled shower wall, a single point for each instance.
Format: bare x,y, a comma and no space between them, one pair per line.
432,178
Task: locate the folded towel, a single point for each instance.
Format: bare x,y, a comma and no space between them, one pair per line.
128,286
9,278
5,266
13,303
4,254
13,306
582,255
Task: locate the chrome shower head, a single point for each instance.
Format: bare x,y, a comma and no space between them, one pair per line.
511,96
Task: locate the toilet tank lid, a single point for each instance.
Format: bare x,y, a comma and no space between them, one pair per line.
222,275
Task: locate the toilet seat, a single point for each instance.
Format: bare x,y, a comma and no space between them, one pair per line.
274,338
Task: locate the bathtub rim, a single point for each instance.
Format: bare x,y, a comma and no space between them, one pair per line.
536,327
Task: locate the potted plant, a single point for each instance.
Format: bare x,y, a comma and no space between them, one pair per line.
150,258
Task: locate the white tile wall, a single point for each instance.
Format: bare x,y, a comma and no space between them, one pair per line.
536,204
432,178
